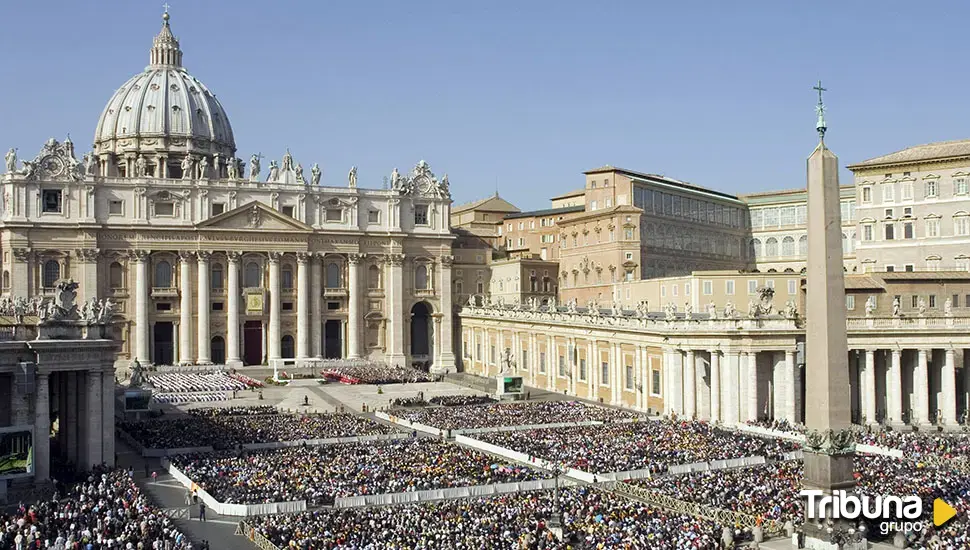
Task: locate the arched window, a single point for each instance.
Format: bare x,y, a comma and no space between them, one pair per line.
217,348
163,274
286,347
803,245
756,251
373,277
788,246
6,279
771,248
52,272
421,278
215,278
254,275
333,275
286,278
116,275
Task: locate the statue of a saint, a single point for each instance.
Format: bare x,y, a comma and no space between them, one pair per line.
729,310
948,307
315,174
508,362
444,183
299,174
396,180
203,168
254,167
287,161
232,168
274,172
255,217
870,306
90,164
688,311
28,169
352,177
896,307
107,308
137,378
187,167
11,159
216,163
141,166
712,310
921,305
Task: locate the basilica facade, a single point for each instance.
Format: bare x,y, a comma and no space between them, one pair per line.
210,259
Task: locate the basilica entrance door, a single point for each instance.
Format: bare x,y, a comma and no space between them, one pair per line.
164,352
253,343
332,343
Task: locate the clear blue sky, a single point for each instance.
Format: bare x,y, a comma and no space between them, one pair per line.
525,93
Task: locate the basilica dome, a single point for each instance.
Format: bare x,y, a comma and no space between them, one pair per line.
163,114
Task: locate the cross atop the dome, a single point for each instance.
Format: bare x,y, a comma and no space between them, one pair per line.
165,15
166,6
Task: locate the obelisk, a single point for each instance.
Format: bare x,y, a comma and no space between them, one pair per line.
829,447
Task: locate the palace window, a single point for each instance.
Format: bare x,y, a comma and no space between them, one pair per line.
850,302
216,277
334,215
771,247
163,275
961,224
655,386
604,373
422,277
286,278
116,275
333,275
729,288
907,190
792,287
374,278
165,209
908,230
866,195
867,232
708,288
960,186
253,275
788,246
888,192
752,286
582,369
890,231
52,272
51,201
803,245
421,214
931,189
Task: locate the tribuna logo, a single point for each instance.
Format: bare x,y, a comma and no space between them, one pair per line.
895,513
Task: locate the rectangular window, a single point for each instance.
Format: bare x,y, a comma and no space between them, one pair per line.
888,192
960,186
866,195
217,306
478,351
51,201
788,215
164,208
335,215
961,225
604,373
116,208
542,361
288,211
729,288
932,228
955,300
931,189
890,268
218,208
525,360
890,231
163,306
675,288
792,287
867,232
708,288
752,286
491,353
908,230
757,218
629,377
592,205
655,386
374,217
771,217
287,306
562,365
421,214
582,369
907,190
663,291
850,302
914,299
770,283
932,300
909,267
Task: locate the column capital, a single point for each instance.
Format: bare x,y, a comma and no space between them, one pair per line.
22,254
203,256
274,257
186,256
234,256
394,259
87,255
302,257
355,258
138,255
446,261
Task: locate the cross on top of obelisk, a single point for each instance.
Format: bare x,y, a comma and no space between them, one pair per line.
820,109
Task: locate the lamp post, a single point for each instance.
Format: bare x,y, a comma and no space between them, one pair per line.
555,520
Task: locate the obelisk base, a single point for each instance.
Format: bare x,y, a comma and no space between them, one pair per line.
828,473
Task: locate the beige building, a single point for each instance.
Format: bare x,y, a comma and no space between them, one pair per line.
483,217
537,233
519,280
913,209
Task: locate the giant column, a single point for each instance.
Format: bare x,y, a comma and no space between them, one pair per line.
233,359
690,385
447,321
716,386
751,383
273,343
87,259
829,444
790,395
185,308
921,392
93,431
42,429
316,307
20,272
869,387
205,355
353,311
302,307
108,414
948,405
140,258
395,286
894,388
730,405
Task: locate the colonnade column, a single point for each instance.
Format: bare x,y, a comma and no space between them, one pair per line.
232,317
395,286
690,385
790,396
729,401
716,387
616,374
42,428
70,417
94,432
447,321
894,388
639,381
677,381
353,309
142,283
742,386
594,371
302,305
273,343
316,307
533,358
185,308
205,355
948,404
108,416
921,404
779,385
869,387
752,384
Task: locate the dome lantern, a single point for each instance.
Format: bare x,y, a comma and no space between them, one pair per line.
165,49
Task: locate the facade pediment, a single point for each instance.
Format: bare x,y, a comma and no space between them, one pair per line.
256,216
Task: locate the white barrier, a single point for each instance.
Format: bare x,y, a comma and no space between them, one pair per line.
442,494
526,459
319,442
862,448
408,424
224,509
465,431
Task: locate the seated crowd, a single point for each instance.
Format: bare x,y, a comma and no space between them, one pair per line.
237,410
106,510
917,445
442,401
173,382
591,518
321,473
653,445
200,397
520,413
372,372
780,425
229,431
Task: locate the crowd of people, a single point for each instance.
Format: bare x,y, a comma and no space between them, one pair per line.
518,413
647,445
442,401
321,473
591,518
223,431
780,425
177,382
373,372
237,410
196,397
918,445
106,510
